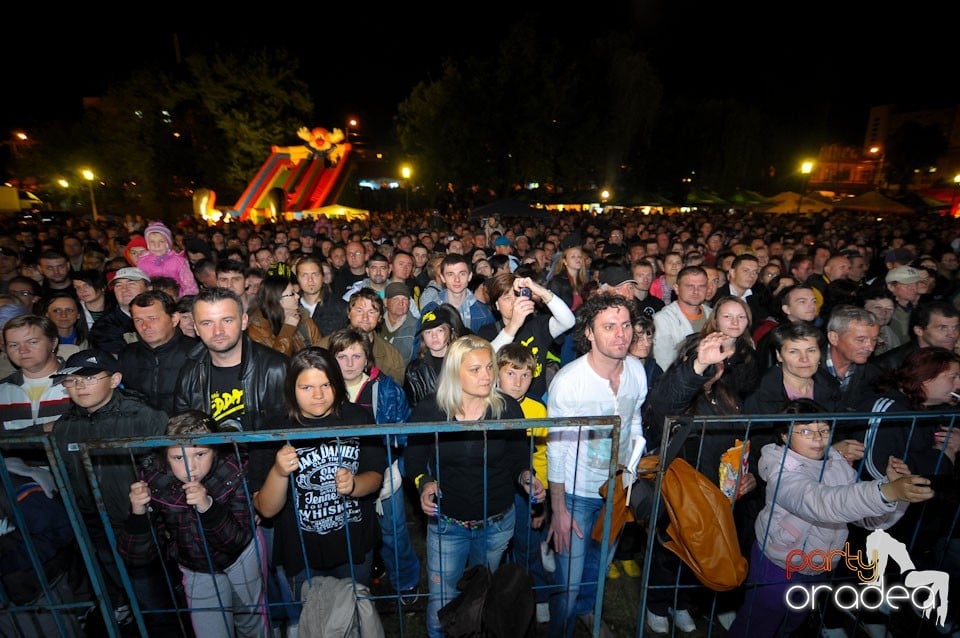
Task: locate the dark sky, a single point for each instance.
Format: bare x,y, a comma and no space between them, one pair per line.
814,67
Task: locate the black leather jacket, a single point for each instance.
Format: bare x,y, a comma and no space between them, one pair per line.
153,371
421,378
262,372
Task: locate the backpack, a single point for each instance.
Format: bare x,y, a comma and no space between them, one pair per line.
700,524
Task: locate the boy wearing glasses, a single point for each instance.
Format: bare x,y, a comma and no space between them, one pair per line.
99,411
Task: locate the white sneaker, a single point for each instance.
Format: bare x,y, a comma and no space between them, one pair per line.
683,620
726,618
658,624
547,558
543,613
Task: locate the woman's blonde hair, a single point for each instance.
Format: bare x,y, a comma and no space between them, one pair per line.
449,390
580,279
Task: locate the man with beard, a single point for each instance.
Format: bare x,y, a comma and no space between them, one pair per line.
228,375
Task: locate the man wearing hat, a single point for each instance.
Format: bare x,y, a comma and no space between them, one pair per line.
618,280
399,326
902,282
100,411
114,329
503,246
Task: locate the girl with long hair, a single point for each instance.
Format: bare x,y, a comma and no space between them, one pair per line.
279,321
334,480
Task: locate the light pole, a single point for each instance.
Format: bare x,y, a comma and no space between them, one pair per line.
406,172
805,169
89,176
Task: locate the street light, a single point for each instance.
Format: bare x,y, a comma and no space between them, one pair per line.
406,172
805,169
89,176
352,123
953,201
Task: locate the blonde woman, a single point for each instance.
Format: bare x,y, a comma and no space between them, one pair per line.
471,519
569,277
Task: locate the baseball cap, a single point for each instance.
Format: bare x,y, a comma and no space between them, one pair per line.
130,273
433,318
501,241
87,362
903,275
308,231
396,289
8,252
616,276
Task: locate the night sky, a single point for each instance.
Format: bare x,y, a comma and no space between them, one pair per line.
813,68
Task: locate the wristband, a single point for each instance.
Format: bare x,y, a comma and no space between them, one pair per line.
419,480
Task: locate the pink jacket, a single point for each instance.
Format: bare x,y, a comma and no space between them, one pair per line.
173,265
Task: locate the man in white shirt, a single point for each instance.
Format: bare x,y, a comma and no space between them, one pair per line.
604,381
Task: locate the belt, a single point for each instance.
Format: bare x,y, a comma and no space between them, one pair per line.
472,525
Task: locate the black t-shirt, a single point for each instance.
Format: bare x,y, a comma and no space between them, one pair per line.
315,510
226,393
650,305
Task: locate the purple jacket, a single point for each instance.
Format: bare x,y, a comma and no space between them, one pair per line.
173,265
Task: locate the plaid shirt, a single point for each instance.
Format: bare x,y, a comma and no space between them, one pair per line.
845,379
227,527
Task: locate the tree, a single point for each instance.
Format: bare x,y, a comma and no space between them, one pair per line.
159,134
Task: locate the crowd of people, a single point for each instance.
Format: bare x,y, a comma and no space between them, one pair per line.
144,329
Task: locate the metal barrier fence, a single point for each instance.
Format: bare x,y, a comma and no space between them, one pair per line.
51,613
837,598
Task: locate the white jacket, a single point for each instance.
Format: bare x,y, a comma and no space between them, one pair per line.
807,512
672,327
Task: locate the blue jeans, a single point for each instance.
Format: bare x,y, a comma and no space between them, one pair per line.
450,548
577,571
525,548
399,559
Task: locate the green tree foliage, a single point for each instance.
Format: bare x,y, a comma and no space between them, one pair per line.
242,106
153,137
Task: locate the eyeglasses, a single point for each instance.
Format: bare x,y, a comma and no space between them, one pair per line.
72,382
22,293
810,433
